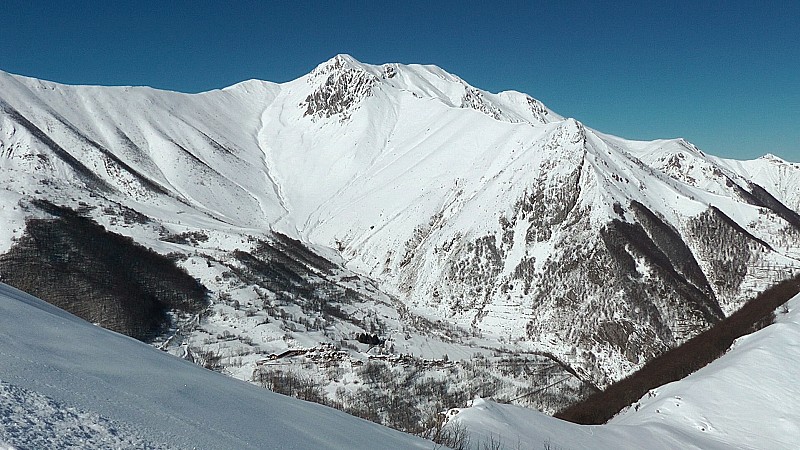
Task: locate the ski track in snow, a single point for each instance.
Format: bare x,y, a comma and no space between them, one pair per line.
270,173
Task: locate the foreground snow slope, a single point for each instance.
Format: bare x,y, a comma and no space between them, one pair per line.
746,399
167,400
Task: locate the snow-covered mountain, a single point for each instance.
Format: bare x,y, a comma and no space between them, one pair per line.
399,201
65,383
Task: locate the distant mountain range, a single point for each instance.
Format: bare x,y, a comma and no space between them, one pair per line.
379,211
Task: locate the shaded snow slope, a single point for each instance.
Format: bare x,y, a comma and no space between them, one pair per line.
781,178
748,398
114,382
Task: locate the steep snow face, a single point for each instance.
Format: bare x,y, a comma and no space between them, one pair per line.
685,162
487,212
742,400
781,178
97,386
143,144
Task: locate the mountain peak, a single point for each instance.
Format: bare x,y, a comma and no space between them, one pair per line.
340,84
344,58
773,158
341,61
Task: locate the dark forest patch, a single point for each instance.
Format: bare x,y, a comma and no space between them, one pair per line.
76,264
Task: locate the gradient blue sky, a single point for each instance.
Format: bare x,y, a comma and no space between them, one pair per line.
723,74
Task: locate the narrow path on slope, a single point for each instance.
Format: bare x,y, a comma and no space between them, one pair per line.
269,168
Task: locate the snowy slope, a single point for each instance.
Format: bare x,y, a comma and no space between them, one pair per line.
108,384
470,220
781,178
745,399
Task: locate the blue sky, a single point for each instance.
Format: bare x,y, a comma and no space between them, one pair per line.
723,74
